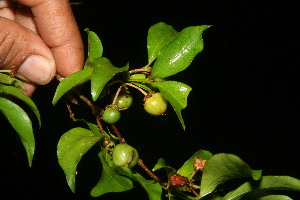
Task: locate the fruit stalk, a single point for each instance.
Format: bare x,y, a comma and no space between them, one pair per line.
147,170
117,132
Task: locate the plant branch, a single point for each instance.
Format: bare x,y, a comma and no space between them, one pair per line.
117,94
117,132
5,71
98,120
138,88
147,170
72,115
95,109
140,70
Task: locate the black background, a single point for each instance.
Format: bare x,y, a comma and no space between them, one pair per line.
244,100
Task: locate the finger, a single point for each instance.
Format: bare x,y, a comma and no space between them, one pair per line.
25,50
24,17
57,26
6,9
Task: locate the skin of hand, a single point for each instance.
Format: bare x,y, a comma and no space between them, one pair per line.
40,38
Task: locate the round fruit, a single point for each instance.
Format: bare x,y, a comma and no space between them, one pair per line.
155,104
125,155
111,115
124,101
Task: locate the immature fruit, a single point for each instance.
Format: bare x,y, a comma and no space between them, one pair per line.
155,104
124,101
125,155
111,115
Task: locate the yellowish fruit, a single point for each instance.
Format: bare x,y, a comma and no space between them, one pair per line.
155,104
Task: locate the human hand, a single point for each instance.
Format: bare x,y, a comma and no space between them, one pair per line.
39,38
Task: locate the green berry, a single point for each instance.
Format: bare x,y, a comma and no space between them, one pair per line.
124,101
111,115
125,155
155,104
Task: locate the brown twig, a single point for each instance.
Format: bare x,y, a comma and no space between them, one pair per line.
72,115
147,170
5,71
138,88
140,70
100,125
117,94
95,109
195,193
117,132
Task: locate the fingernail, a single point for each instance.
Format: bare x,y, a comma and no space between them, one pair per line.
37,69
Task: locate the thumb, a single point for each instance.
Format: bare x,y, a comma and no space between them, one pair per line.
24,50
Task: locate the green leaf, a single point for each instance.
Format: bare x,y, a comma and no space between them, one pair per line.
143,86
6,79
10,90
70,82
95,48
159,35
176,93
21,123
162,164
152,187
178,54
110,181
187,169
71,147
223,167
266,183
103,71
275,197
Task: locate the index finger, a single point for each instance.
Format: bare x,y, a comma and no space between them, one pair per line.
57,26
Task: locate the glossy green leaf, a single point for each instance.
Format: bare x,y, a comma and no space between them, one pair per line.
143,86
21,123
103,71
187,169
224,167
275,197
153,188
110,181
161,164
95,48
10,90
176,93
178,54
6,79
70,82
159,35
266,183
71,147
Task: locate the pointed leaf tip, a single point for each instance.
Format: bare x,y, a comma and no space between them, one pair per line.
70,82
178,54
20,121
71,147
